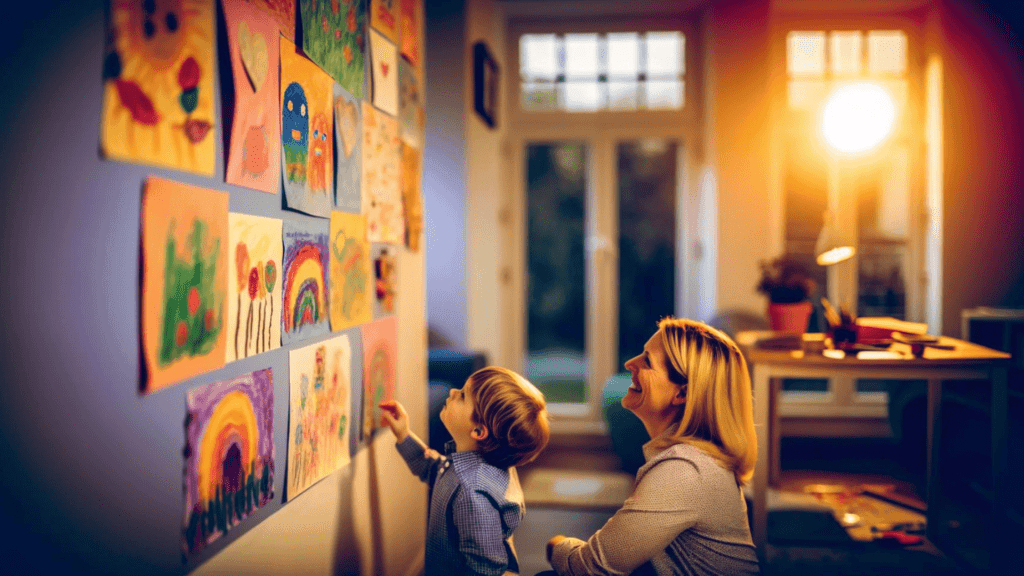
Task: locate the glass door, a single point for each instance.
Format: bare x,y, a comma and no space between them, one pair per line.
602,246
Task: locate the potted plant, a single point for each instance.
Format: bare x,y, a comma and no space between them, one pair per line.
788,286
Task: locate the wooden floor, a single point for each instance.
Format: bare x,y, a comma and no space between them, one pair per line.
798,542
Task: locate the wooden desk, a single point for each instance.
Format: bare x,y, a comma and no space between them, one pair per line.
966,362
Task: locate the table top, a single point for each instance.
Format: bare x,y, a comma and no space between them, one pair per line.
963,354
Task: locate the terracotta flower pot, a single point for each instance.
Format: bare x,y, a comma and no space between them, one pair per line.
789,317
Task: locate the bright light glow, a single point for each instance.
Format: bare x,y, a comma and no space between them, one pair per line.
858,117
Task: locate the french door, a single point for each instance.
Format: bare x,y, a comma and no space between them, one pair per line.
604,222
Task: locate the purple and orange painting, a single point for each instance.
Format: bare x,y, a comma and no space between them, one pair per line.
229,455
304,281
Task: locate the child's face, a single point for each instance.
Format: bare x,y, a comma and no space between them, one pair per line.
457,416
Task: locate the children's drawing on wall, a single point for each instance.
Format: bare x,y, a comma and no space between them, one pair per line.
412,198
254,267
318,434
304,281
410,30
229,455
385,280
348,127
384,61
185,268
380,362
307,134
282,12
333,37
411,117
382,195
351,278
254,158
158,100
384,17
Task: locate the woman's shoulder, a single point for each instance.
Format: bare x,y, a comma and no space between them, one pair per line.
683,456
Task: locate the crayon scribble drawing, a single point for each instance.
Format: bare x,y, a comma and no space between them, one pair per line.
281,12
382,194
412,197
333,36
350,276
304,281
254,158
385,274
411,117
318,434
348,128
380,362
185,271
229,455
307,134
254,300
158,100
384,17
410,30
384,61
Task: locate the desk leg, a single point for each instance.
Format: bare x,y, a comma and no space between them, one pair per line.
999,546
775,438
933,446
762,423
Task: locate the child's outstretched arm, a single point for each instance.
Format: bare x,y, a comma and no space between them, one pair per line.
421,460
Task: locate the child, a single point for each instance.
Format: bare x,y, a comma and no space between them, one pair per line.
497,420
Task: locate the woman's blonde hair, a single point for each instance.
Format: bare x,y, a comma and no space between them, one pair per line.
514,412
718,416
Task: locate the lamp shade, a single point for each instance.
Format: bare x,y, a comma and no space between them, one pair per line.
833,246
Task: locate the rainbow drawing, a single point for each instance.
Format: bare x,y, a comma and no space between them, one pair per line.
229,455
304,308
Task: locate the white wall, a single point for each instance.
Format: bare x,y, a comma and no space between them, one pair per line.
444,169
487,193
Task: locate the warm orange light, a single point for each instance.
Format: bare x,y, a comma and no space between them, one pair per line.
858,117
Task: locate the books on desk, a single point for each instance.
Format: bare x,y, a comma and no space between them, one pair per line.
878,329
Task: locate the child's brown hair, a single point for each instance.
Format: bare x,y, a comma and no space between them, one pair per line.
514,412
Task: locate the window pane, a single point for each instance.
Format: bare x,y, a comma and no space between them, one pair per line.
806,94
539,96
623,95
538,57
556,189
581,55
664,94
647,174
664,54
887,52
623,55
846,53
579,96
805,53
882,223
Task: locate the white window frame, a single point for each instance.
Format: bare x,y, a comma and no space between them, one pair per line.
601,130
855,413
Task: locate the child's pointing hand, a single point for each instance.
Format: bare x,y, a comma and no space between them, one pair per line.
394,416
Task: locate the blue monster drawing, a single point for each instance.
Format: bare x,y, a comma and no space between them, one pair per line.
295,133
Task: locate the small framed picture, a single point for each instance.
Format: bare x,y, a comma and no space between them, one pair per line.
485,84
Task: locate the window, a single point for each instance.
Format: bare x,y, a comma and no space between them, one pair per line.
876,193
587,72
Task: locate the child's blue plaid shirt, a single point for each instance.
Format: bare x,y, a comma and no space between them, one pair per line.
474,509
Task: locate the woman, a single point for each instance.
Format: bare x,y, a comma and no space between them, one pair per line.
687,514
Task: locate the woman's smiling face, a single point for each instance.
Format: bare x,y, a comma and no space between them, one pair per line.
652,396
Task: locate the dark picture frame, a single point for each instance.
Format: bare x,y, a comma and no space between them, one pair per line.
485,84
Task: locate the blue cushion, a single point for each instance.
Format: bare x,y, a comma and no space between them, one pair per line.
627,431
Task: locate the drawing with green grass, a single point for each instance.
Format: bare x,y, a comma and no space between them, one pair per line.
334,36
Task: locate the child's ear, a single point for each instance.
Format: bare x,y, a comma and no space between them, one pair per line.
479,432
